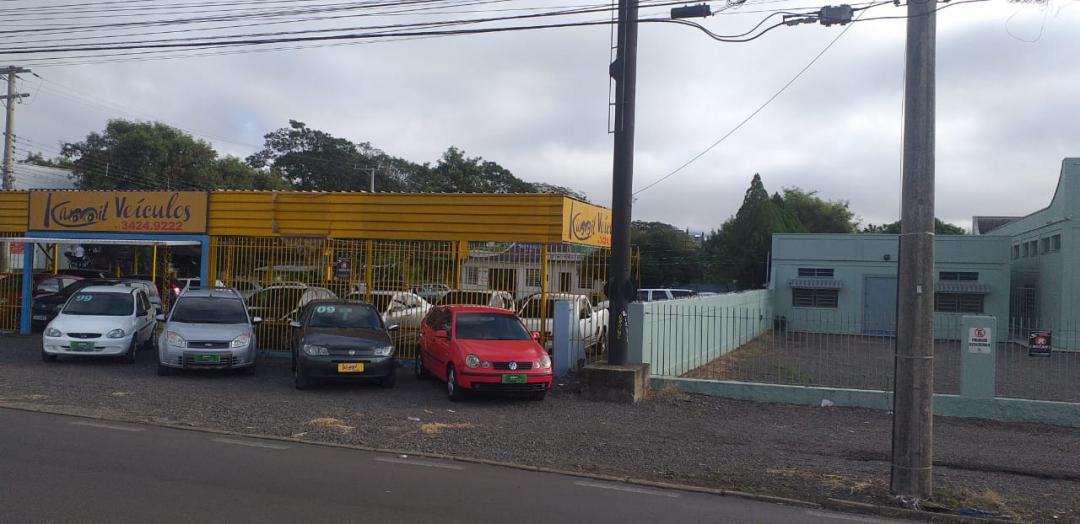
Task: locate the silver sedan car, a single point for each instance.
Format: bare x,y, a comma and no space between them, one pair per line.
208,329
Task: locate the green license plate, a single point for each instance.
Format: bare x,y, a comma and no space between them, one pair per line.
82,346
514,379
207,359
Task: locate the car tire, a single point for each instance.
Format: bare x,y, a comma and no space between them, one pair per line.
453,390
300,380
163,370
129,357
538,396
389,380
418,368
46,357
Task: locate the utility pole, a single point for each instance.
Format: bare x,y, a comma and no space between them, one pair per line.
913,395
624,71
9,127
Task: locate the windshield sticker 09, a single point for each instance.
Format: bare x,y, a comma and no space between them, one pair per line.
325,309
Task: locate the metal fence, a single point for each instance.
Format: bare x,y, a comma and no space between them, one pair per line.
10,281
690,339
403,279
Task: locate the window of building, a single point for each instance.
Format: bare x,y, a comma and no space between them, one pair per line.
566,282
532,277
472,276
815,272
1034,247
1026,249
1055,243
1016,251
958,302
966,276
1045,243
814,297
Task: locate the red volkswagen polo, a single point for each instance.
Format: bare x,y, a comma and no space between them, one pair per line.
481,348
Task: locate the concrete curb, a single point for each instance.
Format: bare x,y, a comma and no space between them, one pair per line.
833,504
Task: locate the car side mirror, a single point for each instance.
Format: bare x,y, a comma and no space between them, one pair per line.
441,333
535,335
160,318
256,320
292,323
394,327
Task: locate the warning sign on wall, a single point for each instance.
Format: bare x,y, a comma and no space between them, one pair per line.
979,340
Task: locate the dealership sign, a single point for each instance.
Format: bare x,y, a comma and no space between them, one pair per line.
586,224
118,211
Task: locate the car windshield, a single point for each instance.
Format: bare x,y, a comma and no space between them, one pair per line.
381,302
345,316
489,326
209,310
277,299
101,304
476,298
534,308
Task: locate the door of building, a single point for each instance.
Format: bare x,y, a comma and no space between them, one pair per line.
879,305
503,279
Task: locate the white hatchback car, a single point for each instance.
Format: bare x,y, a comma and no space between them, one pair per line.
101,321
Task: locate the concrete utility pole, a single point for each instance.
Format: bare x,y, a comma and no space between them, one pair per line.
913,417
9,128
624,71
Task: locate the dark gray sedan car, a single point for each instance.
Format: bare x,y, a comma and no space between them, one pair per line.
341,340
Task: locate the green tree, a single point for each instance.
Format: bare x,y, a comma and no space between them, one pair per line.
669,256
457,173
818,215
739,251
38,159
940,228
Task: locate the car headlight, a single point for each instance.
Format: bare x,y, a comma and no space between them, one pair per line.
116,333
544,362
53,332
472,361
315,350
241,341
174,339
383,351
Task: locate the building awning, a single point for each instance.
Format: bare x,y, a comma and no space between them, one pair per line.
974,288
815,283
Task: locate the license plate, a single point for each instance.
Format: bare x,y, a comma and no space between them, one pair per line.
82,346
350,367
39,317
207,359
514,379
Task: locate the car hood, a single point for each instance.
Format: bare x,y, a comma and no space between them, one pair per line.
89,323
349,338
502,349
209,332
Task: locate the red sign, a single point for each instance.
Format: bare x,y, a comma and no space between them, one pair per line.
16,248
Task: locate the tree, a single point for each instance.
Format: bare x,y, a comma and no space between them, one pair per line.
940,228
669,256
739,251
543,187
457,173
38,159
818,215
152,156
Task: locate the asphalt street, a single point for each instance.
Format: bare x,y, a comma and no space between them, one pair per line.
56,468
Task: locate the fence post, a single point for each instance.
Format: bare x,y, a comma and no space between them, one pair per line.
978,335
561,323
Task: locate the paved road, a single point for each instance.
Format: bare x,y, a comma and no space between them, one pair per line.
56,468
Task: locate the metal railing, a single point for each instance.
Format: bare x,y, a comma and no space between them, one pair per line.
10,281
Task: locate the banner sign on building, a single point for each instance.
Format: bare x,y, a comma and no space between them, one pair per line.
118,211
586,224
1039,344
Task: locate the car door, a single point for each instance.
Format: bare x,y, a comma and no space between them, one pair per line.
589,327
144,316
439,347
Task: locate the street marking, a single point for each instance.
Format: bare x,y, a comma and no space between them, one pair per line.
424,463
629,489
249,444
107,426
839,516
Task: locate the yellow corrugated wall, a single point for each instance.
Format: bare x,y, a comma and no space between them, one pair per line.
14,206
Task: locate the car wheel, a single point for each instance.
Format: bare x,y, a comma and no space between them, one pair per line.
538,395
418,367
389,381
163,370
46,357
129,357
453,390
300,380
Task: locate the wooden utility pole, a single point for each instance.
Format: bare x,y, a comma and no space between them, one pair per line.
913,416
9,127
624,71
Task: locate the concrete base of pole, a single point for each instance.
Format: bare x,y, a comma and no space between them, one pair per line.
626,383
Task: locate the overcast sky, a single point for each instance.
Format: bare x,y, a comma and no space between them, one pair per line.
536,103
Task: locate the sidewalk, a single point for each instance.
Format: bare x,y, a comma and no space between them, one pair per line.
1028,471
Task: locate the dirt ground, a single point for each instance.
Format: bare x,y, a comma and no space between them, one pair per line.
863,362
1026,471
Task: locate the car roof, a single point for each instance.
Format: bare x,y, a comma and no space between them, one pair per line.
323,301
463,308
107,289
213,292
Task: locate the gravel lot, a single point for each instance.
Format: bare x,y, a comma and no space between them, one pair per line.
854,361
1031,471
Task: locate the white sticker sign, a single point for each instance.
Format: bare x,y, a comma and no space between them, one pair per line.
979,340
